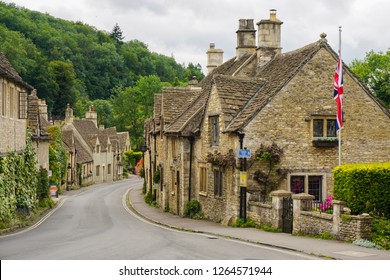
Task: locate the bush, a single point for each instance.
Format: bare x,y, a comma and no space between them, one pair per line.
381,232
192,209
364,187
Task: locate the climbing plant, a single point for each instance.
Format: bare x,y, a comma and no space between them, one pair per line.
57,156
268,175
18,182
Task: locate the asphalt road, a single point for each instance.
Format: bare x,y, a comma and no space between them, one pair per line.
94,225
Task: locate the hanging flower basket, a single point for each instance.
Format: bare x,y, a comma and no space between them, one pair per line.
221,160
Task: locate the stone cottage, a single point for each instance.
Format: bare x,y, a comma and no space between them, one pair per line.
261,96
13,108
20,108
94,153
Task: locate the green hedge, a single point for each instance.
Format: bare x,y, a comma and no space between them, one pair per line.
364,187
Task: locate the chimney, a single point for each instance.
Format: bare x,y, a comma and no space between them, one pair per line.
68,114
91,115
214,58
246,38
43,108
269,34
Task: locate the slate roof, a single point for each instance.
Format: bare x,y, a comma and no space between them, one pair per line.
6,70
190,119
276,74
234,93
242,98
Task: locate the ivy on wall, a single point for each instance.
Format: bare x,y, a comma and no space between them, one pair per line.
57,156
18,182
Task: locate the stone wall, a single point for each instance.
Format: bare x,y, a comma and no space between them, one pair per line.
305,221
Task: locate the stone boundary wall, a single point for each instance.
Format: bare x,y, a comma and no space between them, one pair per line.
305,221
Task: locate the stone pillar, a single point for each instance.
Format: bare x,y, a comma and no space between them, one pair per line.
277,207
338,207
301,202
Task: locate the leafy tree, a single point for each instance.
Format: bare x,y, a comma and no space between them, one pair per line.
133,105
374,70
104,112
63,74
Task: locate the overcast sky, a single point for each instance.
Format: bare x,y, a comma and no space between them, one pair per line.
184,28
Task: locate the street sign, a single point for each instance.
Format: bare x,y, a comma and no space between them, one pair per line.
244,153
243,179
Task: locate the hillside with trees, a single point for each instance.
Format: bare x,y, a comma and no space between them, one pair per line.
74,63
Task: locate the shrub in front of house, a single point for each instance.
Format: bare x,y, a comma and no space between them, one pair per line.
193,209
364,187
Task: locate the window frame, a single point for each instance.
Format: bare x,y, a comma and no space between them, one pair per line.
325,127
214,130
321,193
203,179
218,182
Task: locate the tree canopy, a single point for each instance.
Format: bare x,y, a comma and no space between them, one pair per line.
74,63
69,61
374,71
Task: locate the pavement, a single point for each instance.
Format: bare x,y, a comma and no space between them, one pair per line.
327,249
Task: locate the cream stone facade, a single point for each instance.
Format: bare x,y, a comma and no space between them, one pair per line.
94,153
13,108
261,97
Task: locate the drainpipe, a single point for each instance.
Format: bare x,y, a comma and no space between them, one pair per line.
242,168
191,139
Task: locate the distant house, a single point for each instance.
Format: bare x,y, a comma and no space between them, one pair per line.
261,97
94,153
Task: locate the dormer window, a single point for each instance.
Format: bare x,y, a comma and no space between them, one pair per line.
97,149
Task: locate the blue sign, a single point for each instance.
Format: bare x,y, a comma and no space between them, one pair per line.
244,153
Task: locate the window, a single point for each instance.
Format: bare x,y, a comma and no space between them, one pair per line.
109,169
218,182
203,179
97,170
214,125
315,187
297,184
23,105
311,184
324,127
97,149
11,102
4,99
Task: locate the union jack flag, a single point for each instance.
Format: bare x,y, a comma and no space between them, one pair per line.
338,93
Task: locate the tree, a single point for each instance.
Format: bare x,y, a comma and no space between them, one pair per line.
133,105
374,70
116,33
63,74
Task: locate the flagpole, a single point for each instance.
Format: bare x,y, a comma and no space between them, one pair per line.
341,115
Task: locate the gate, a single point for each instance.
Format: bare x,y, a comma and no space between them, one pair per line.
287,216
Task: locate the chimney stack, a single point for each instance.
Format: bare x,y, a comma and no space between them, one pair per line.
246,38
214,58
91,115
269,37
43,108
68,114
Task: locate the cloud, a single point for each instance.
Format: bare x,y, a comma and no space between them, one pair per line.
185,28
